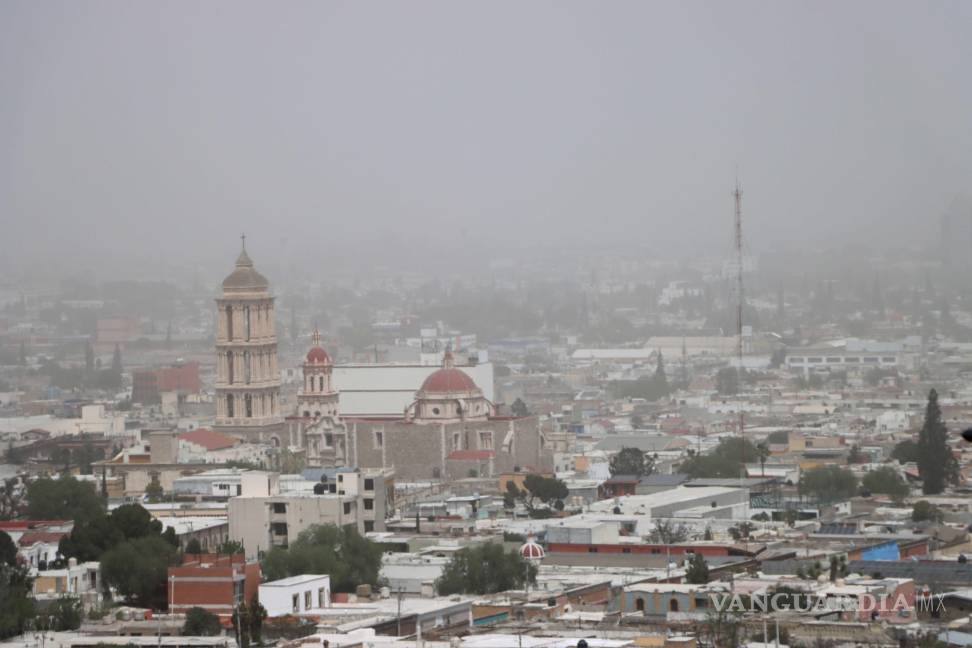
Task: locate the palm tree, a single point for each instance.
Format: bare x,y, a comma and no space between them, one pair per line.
763,451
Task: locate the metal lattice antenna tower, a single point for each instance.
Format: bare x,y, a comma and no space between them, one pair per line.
737,196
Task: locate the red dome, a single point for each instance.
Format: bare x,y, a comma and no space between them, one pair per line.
318,355
532,551
449,380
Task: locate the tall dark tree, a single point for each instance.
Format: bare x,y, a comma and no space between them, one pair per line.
116,361
660,379
631,461
519,408
936,464
698,571
8,550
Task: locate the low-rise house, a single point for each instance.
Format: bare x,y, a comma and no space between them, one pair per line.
296,594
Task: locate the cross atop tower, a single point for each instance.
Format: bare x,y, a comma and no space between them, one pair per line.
316,337
243,239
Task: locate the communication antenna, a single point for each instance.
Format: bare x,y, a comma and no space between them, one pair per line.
737,196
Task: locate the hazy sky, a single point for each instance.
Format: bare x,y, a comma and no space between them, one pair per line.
140,131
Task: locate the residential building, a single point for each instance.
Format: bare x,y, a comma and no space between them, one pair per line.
296,594
216,583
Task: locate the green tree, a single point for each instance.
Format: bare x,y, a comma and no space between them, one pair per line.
659,379
906,452
519,408
548,490
230,547
631,461
727,381
137,569
727,460
698,570
13,455
64,498
828,484
886,480
154,490
349,558
16,602
855,456
924,511
762,449
256,617
484,569
193,547
838,567
667,532
64,614
936,464
89,359
201,623
8,550
637,422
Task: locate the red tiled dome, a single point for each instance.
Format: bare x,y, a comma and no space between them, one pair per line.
531,550
318,355
448,380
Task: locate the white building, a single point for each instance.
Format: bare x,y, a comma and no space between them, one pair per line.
386,390
296,594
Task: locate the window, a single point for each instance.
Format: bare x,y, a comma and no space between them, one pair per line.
248,403
870,359
295,602
833,359
888,359
321,383
229,406
279,528
640,604
369,526
379,439
369,504
307,599
815,359
246,367
322,597
229,367
369,484
347,508
435,410
592,550
329,440
229,322
673,605
246,322
626,550
486,440
279,507
306,413
852,359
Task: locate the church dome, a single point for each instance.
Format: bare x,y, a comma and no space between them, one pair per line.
317,354
531,550
448,380
244,277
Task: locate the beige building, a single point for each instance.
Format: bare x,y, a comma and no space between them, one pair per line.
262,518
247,375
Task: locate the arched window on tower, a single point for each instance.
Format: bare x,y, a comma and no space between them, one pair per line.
248,402
229,322
321,383
246,322
229,367
229,406
246,367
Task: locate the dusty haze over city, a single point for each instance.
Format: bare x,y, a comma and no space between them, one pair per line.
143,138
